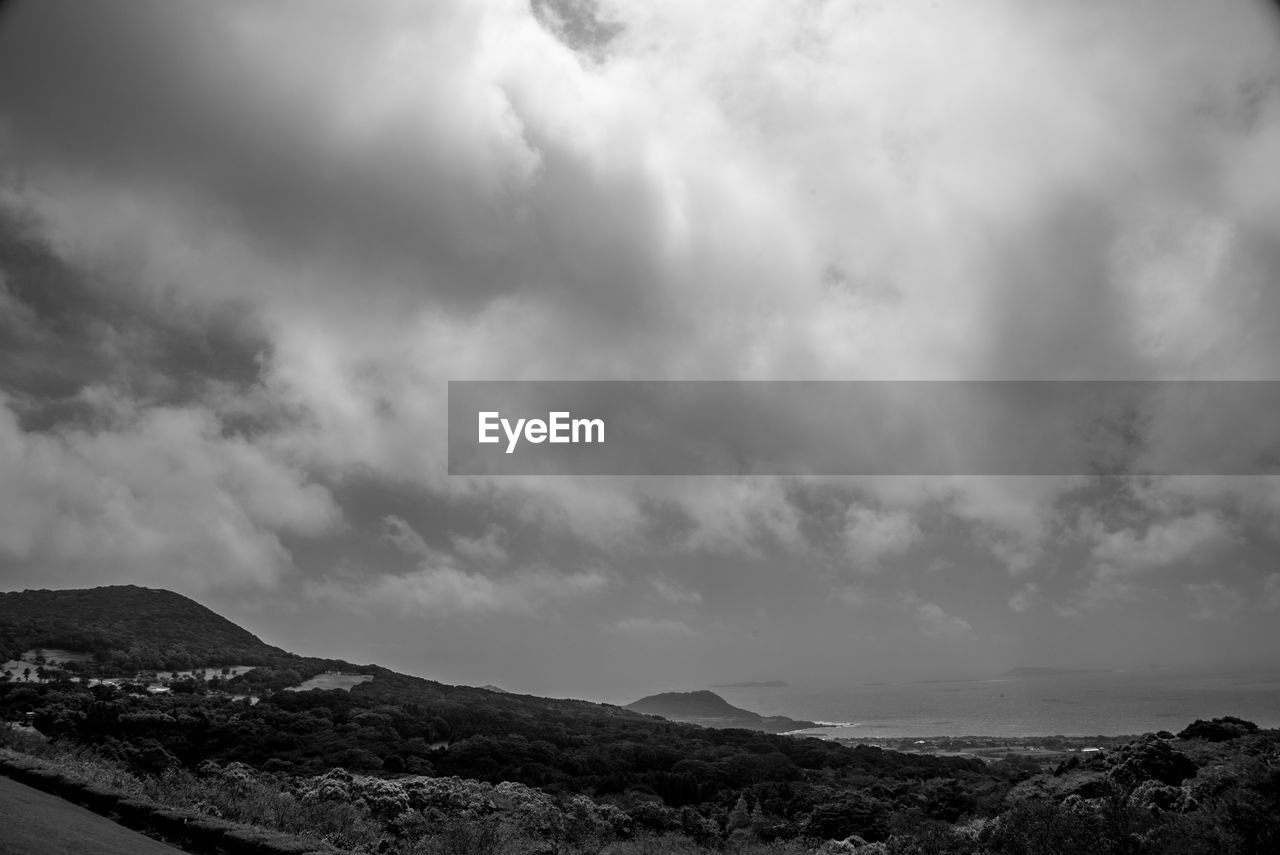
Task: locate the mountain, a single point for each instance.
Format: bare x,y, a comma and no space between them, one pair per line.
710,710
128,628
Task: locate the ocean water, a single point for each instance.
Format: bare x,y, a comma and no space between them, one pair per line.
1078,704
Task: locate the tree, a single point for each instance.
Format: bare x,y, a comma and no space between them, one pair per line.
740,816
853,813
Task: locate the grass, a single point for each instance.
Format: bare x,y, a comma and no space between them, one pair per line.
82,766
331,680
52,658
39,822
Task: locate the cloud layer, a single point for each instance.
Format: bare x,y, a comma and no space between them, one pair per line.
246,245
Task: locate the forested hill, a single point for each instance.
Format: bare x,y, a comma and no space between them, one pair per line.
128,628
674,704
709,709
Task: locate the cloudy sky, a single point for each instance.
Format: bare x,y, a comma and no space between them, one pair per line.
245,245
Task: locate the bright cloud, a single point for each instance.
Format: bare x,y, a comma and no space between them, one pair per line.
158,496
445,589
247,245
871,535
1163,544
937,623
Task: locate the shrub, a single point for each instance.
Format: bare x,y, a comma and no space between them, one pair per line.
856,813
469,837
1218,729
1151,759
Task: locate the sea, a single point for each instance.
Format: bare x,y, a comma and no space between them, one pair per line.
1112,703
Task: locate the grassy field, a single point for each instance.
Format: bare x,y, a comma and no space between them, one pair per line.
331,680
53,657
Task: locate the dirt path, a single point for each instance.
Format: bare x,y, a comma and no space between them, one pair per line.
37,823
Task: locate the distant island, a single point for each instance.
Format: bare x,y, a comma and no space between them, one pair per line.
710,710
1047,672
751,684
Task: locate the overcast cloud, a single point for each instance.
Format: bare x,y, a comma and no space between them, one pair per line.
244,246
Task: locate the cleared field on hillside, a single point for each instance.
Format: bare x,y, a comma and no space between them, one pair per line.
53,657
331,680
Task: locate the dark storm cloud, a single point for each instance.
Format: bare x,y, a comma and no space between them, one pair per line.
161,93
120,458
277,122
578,23
64,329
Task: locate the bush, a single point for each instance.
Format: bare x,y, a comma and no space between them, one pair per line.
1151,759
1218,729
470,837
1033,828
646,843
857,814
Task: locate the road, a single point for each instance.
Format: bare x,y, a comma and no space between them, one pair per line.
36,823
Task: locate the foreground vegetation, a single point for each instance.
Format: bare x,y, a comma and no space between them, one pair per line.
400,764
1215,788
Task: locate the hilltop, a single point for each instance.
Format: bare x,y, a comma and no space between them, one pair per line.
710,710
127,628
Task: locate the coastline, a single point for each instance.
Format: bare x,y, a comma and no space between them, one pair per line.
1075,705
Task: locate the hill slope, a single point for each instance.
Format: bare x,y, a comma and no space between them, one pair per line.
128,628
701,704
711,710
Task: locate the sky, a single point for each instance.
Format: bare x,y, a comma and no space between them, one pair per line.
244,246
